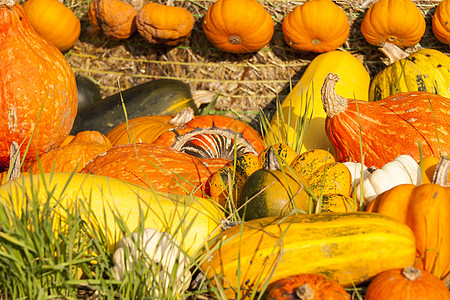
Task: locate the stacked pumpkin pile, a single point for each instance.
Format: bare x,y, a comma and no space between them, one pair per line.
314,218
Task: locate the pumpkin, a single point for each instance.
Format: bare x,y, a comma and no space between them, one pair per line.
272,191
238,26
88,91
53,21
147,129
73,156
440,22
104,200
305,287
116,19
300,120
317,26
399,22
213,136
407,284
402,170
424,70
164,24
155,97
349,248
385,129
163,257
38,90
424,208
338,203
159,167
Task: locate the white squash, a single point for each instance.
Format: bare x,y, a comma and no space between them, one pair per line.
402,170
163,257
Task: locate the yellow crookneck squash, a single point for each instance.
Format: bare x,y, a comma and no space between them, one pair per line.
426,70
101,200
300,119
347,247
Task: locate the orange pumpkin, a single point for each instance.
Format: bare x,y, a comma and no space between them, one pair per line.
441,22
406,284
160,167
147,129
238,26
38,91
306,286
213,136
54,21
164,24
399,22
73,156
426,210
317,26
116,19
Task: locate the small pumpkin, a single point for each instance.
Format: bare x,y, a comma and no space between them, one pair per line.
399,22
316,26
74,155
425,209
441,22
238,26
164,24
54,21
116,19
407,284
147,129
425,70
272,191
386,128
38,91
402,170
306,287
300,119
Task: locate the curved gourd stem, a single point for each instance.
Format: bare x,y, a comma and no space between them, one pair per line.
271,162
182,117
7,3
393,52
14,161
333,104
441,174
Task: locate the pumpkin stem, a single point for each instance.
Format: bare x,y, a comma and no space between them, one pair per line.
182,117
441,173
271,162
14,161
8,3
411,273
333,104
305,292
393,52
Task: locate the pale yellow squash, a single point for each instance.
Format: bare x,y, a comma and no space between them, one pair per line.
107,198
304,101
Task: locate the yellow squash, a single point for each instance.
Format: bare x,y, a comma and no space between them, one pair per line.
350,248
304,101
107,198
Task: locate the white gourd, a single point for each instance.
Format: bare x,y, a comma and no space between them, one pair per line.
402,170
355,170
163,257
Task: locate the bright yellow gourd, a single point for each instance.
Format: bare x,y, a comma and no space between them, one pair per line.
109,197
347,247
304,101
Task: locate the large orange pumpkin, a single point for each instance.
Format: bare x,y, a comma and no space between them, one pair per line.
38,90
238,26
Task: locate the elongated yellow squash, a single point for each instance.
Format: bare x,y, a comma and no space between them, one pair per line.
347,247
301,121
190,219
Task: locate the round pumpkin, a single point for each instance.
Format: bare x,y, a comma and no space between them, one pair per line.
306,287
238,26
407,284
164,24
441,22
316,26
399,22
54,21
38,91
